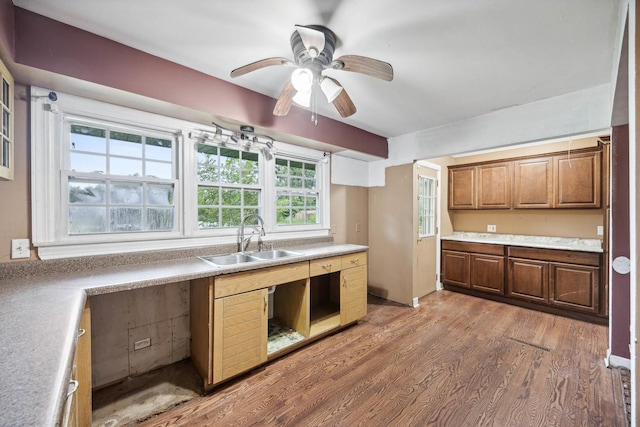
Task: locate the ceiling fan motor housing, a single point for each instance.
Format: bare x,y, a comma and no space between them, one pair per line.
323,59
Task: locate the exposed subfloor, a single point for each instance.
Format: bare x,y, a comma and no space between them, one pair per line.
625,376
139,398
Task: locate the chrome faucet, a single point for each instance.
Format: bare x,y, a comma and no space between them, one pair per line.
243,242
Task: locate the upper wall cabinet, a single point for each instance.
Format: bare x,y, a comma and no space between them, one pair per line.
578,180
554,181
462,188
6,148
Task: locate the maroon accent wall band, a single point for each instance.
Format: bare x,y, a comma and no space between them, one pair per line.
49,45
7,24
620,305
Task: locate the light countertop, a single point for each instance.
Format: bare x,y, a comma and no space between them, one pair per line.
40,317
564,243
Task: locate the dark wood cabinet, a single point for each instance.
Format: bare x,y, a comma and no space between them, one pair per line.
578,180
455,268
533,183
560,281
494,186
575,287
487,273
462,188
528,280
560,180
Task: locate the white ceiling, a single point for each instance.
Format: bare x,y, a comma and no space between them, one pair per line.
453,59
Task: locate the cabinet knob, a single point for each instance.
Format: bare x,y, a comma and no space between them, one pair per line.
327,266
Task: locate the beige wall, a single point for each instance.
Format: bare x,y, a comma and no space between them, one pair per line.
545,222
392,235
350,214
15,195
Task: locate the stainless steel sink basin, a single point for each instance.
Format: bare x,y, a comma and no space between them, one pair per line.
274,254
229,259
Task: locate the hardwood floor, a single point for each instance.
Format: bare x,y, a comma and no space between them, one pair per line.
456,360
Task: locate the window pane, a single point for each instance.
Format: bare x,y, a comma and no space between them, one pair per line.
296,182
310,184
296,168
83,220
87,192
231,197
6,97
6,149
5,123
207,173
311,201
126,219
208,217
282,181
160,195
283,216
126,167
88,163
159,218
90,139
284,200
309,170
158,170
229,158
251,198
250,169
126,194
282,166
297,201
231,217
208,196
158,149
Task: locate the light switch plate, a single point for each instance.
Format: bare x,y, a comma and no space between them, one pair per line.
139,345
20,248
600,230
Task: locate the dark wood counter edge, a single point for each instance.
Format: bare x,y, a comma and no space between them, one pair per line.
532,306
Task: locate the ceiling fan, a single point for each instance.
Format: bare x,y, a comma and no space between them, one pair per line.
313,47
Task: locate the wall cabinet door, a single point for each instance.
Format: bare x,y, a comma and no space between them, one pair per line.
239,333
455,268
487,273
494,186
528,280
533,183
574,287
578,180
353,294
462,188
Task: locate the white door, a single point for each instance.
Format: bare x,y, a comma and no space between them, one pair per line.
427,233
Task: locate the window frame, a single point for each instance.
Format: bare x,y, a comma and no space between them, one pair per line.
423,212
47,139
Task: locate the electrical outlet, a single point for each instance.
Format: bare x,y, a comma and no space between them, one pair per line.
139,345
491,228
600,230
333,229
20,248
357,227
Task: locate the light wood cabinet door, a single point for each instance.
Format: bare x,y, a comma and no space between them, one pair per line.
494,186
353,294
455,268
487,273
462,188
578,180
240,333
528,280
533,183
574,287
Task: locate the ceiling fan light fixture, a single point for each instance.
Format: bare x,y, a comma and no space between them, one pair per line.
330,89
302,79
303,98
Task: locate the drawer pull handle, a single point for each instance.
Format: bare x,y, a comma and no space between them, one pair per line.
327,266
81,332
74,384
266,303
344,282
355,260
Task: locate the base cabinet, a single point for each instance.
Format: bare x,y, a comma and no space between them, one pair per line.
566,281
232,316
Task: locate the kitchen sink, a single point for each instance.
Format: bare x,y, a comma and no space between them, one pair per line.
274,254
229,259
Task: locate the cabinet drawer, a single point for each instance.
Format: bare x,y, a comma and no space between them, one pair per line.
251,280
325,266
478,248
354,260
556,255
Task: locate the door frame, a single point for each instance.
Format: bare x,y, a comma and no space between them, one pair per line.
438,170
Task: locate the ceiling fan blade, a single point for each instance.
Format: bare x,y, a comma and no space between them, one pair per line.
284,101
312,39
364,65
268,62
343,102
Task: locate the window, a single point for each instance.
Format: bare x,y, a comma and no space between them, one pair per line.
104,176
297,195
118,182
426,206
6,132
228,186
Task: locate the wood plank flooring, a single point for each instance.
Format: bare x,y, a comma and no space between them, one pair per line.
456,361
